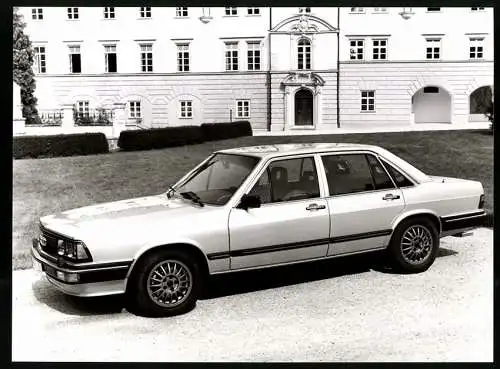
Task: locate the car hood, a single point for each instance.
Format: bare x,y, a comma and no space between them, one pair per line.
125,214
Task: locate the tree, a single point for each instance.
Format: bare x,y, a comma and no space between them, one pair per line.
22,66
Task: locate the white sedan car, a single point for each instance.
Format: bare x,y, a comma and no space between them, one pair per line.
255,207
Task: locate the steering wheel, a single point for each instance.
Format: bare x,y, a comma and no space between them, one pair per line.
229,192
295,194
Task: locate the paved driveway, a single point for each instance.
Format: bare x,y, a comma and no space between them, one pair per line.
349,309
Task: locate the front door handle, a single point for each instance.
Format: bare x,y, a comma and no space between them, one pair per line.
315,207
390,196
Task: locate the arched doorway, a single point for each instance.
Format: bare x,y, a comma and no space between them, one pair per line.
304,108
431,104
480,103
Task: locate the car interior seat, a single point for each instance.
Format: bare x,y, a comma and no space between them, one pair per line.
279,180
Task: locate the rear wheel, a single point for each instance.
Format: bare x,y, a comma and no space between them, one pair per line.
414,245
165,283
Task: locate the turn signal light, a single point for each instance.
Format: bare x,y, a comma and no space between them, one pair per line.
481,202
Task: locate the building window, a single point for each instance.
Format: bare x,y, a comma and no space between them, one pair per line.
75,63
433,49
73,13
39,59
380,10
37,13
357,10
82,109
231,10
304,54
476,47
145,12
231,56
147,57
433,10
477,9
110,58
305,10
367,101
380,49
181,12
183,57
134,109
356,49
186,109
109,13
253,54
253,11
242,108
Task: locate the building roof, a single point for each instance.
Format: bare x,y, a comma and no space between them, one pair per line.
266,151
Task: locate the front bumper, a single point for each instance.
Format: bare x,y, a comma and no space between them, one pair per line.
77,280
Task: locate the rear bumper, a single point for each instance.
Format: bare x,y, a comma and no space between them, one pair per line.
94,280
462,223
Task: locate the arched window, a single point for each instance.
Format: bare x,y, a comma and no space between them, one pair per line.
304,54
481,100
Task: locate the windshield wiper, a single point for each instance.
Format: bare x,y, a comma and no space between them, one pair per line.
190,195
170,192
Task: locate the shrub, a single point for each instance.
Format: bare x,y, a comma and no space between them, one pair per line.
59,145
222,131
156,138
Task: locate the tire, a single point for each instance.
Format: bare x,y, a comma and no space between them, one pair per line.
417,256
165,283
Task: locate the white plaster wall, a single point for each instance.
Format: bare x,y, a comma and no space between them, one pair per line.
406,40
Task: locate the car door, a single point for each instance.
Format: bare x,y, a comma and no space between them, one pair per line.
293,221
363,202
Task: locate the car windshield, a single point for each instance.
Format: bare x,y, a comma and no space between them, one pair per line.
217,179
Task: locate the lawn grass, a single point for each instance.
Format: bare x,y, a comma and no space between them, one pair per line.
45,186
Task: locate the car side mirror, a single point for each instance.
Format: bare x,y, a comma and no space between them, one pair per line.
249,201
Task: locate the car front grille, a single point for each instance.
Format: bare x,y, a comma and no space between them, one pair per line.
51,240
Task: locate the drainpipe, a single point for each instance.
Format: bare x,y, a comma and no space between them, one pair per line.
268,76
338,67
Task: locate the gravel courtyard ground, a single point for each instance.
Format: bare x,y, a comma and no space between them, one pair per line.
349,309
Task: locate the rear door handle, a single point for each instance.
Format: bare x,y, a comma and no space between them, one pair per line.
315,207
390,196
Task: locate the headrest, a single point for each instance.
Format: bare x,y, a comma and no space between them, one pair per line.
279,174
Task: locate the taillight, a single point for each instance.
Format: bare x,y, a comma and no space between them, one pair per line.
481,201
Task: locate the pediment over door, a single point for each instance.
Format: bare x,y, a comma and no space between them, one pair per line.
303,79
303,24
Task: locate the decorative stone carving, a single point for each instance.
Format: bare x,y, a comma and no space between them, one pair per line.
304,26
303,79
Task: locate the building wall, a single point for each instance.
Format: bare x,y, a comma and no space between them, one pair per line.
213,95
406,37
395,84
214,91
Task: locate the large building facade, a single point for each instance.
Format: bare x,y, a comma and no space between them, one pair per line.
280,68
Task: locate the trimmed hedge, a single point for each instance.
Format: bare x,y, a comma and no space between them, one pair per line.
223,131
59,145
156,138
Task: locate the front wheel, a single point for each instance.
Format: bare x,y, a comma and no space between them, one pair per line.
165,283
414,245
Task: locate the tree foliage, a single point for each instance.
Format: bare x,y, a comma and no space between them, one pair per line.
22,66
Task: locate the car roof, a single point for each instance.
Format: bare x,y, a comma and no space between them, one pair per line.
272,151
268,151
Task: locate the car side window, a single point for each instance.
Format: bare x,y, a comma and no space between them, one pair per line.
400,179
287,180
380,176
348,174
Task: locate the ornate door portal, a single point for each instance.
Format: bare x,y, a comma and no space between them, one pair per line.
304,108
